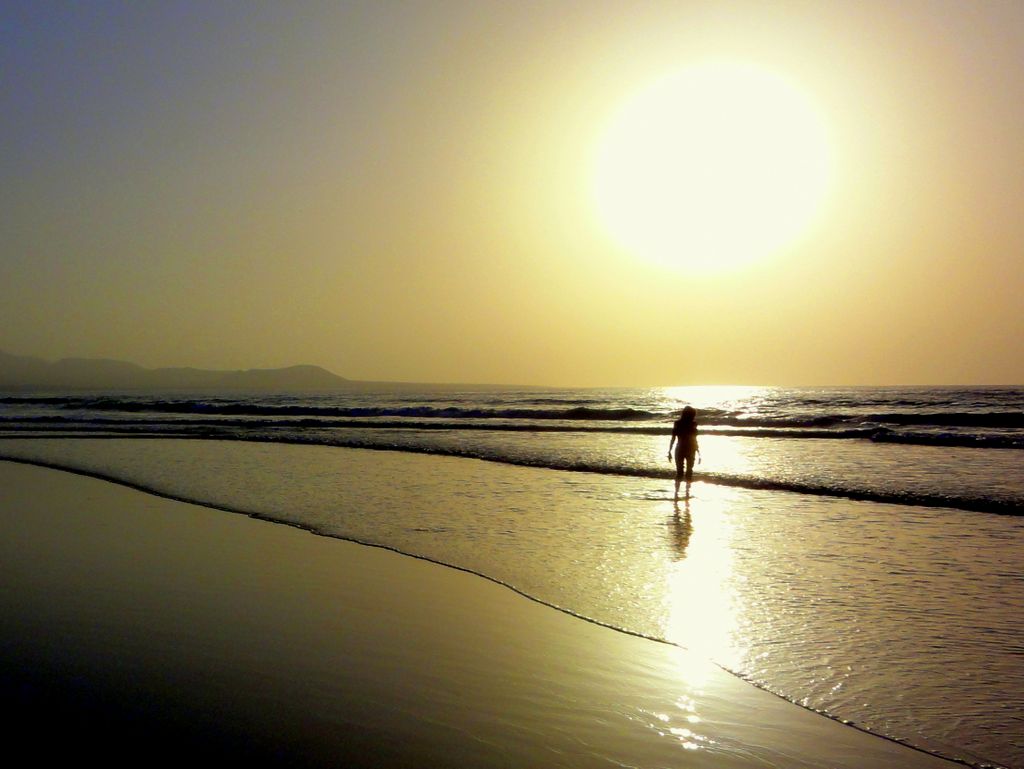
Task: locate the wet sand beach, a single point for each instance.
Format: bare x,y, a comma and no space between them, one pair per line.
135,628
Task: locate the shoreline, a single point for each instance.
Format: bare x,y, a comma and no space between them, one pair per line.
229,635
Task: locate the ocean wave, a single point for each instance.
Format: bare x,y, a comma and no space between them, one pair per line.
977,504
191,422
974,503
981,504
951,440
248,408
950,418
846,424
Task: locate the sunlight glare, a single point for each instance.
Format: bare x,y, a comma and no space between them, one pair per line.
719,397
711,167
703,610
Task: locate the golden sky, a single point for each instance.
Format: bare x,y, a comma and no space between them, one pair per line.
561,193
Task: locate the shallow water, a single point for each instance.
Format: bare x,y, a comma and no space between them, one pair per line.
904,620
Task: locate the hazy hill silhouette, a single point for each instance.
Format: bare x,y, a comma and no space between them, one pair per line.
23,372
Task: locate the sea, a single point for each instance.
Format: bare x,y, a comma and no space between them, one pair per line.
858,551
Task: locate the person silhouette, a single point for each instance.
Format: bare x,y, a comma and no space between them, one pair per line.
684,436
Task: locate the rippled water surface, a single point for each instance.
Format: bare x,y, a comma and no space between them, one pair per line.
905,620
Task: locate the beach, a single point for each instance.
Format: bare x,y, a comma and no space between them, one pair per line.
342,349
135,625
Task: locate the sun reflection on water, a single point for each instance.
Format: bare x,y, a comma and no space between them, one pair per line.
703,611
725,455
670,725
722,397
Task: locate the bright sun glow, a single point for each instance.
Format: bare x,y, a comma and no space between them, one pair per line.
712,167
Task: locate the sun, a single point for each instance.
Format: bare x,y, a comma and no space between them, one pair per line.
712,167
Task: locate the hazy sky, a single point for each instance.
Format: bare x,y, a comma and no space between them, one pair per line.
410,191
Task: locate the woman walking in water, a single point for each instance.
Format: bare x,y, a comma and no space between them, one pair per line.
684,436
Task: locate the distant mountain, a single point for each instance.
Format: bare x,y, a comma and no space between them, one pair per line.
22,372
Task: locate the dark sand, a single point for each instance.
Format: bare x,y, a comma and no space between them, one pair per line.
139,630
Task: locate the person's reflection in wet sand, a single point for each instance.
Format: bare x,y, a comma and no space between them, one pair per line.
682,527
